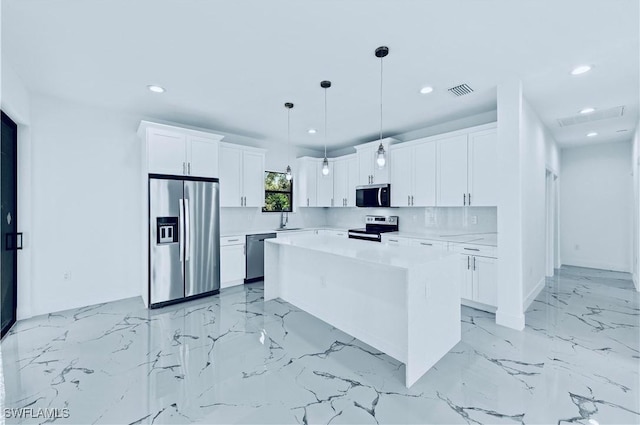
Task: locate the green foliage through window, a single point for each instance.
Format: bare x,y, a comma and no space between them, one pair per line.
278,192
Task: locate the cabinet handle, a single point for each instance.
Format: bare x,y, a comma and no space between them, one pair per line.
425,243
468,263
189,168
474,263
408,200
393,240
464,199
233,240
344,203
331,201
469,199
471,249
411,200
184,168
307,201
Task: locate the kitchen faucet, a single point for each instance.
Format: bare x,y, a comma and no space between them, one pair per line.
284,219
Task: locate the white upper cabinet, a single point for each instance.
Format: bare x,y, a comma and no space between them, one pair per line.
203,157
413,175
452,171
483,173
467,169
179,151
325,185
345,178
241,176
368,170
305,183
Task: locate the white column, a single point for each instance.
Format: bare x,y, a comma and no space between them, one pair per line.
510,219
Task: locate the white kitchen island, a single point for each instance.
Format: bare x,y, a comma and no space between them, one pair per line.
403,301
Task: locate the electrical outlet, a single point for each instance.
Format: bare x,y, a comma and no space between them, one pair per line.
67,275
474,219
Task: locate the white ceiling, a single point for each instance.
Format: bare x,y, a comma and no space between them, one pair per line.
230,65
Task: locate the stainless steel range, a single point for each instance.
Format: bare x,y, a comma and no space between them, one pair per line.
375,226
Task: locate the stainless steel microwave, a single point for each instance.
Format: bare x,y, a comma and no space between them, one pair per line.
373,195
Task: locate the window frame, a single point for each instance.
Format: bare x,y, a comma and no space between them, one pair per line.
267,192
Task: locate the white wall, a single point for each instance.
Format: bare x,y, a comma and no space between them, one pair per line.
86,209
635,166
538,149
596,207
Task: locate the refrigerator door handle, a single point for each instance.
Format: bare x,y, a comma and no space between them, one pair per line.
187,230
181,229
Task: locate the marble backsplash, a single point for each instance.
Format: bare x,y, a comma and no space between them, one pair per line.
422,219
438,219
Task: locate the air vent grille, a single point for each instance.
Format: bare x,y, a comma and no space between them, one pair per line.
460,90
603,114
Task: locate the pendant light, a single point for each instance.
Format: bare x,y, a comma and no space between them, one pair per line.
381,159
325,162
288,105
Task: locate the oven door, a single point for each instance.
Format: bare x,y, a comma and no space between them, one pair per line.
373,195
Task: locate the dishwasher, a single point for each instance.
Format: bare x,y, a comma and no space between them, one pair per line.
255,256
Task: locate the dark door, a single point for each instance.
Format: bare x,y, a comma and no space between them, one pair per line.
10,241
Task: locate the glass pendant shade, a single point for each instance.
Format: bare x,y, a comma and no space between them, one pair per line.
381,158
325,166
288,175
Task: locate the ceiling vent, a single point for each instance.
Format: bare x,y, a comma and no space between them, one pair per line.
460,90
603,114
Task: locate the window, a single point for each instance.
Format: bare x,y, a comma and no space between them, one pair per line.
278,192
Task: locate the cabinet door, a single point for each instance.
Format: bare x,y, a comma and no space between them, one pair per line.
340,177
325,185
483,172
365,166
230,177
305,186
466,277
485,280
402,177
167,152
452,171
232,265
352,181
253,179
203,157
424,175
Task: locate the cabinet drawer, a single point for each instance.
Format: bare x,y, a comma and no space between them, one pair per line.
478,250
430,243
395,240
232,240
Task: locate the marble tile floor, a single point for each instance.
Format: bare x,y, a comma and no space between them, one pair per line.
234,359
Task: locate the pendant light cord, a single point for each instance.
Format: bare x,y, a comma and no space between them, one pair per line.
288,134
381,99
325,122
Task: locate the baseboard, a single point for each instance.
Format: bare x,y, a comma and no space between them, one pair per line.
533,294
509,320
596,265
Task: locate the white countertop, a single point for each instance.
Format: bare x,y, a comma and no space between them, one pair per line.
487,239
366,251
260,231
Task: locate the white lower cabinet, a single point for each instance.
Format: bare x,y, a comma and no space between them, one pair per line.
479,281
232,261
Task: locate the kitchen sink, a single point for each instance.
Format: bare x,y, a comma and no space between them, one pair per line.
288,228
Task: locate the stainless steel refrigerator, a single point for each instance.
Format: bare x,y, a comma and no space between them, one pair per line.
184,238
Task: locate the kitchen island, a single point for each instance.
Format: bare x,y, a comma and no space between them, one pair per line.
403,301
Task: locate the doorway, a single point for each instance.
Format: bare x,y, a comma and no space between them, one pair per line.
551,223
10,240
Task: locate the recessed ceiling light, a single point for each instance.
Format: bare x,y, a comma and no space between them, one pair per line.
155,89
581,69
312,131
587,110
592,134
426,90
